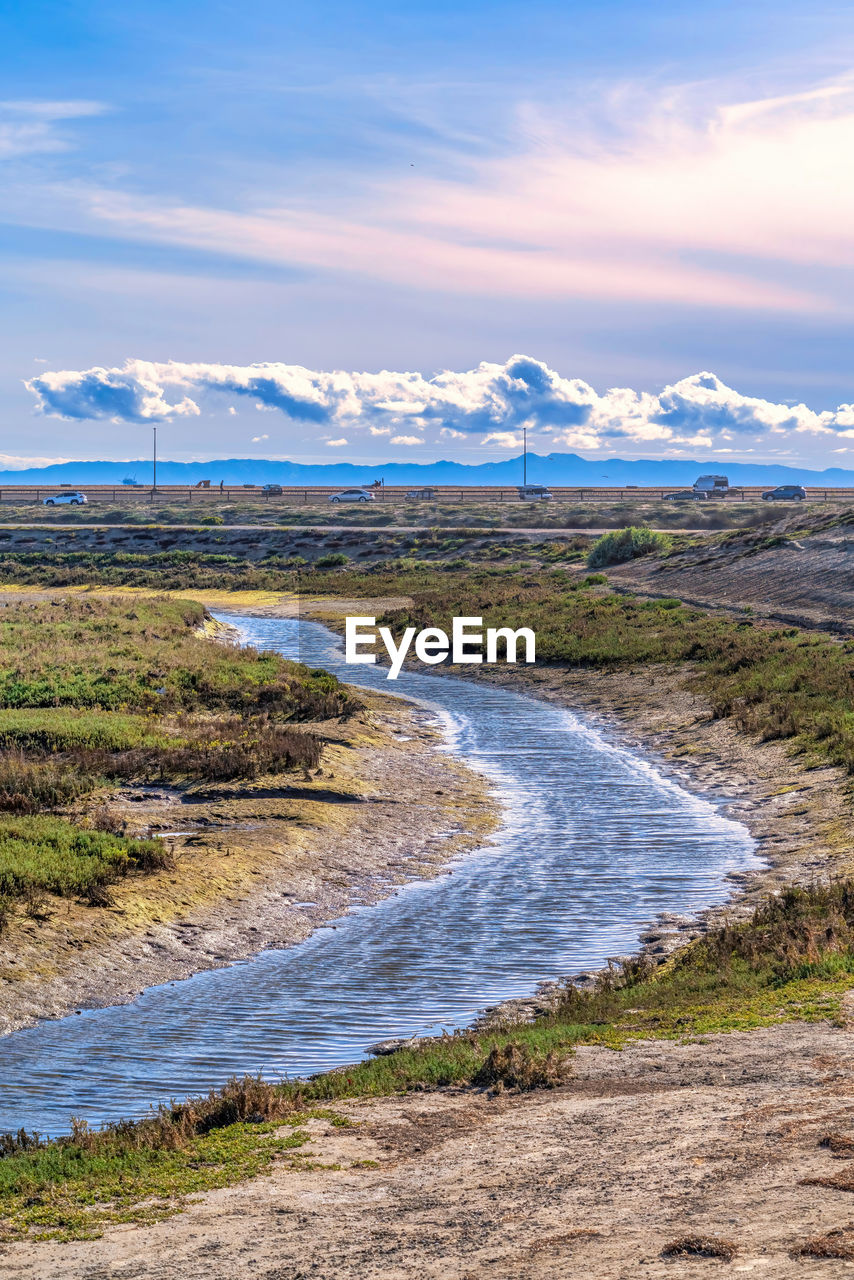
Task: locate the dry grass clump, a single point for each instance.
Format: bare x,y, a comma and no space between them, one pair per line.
835,1181
801,928
554,1244
838,1243
700,1247
169,1128
514,1066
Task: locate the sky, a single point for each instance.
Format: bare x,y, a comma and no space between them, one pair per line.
404,231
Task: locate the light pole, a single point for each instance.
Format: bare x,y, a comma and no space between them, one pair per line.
524,456
154,463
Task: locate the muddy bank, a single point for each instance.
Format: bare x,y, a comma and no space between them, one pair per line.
257,865
717,1139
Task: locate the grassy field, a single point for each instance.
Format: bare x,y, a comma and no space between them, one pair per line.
792,961
97,690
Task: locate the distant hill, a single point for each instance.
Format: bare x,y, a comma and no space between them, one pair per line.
554,468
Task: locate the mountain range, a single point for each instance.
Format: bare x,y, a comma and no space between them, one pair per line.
553,468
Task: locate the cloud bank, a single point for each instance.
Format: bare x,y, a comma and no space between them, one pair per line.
489,404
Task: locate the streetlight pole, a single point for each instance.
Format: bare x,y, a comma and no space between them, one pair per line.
154,463
524,456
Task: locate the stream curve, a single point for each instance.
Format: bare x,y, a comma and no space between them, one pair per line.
594,844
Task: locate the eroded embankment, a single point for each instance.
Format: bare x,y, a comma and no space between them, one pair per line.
799,571
248,858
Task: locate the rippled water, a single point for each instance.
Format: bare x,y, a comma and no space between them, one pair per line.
594,844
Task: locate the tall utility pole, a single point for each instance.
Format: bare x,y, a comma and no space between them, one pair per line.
524,456
154,463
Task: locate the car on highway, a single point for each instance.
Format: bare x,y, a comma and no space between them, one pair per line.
353,495
270,490
74,499
421,493
682,495
535,493
785,493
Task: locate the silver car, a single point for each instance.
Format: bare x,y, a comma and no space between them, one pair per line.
73,499
353,495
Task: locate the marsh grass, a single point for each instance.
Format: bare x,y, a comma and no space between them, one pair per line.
41,854
98,691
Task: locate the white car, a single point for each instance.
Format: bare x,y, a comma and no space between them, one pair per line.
353,495
73,499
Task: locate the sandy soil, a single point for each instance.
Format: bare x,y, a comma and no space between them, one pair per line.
257,865
641,1148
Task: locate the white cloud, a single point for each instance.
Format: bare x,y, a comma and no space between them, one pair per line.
14,462
490,403
258,439
504,439
31,126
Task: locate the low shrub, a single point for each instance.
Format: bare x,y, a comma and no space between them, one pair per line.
332,560
626,544
50,855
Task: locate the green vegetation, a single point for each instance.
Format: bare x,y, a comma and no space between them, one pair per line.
625,544
791,961
93,691
40,855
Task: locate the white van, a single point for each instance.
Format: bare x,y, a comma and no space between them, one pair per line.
712,486
534,493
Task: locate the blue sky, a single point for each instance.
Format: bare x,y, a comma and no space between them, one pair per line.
384,204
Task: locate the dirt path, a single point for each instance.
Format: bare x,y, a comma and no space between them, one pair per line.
661,1141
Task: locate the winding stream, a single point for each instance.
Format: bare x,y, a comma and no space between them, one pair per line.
594,844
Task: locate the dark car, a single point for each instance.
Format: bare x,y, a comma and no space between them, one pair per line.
682,495
271,490
785,493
